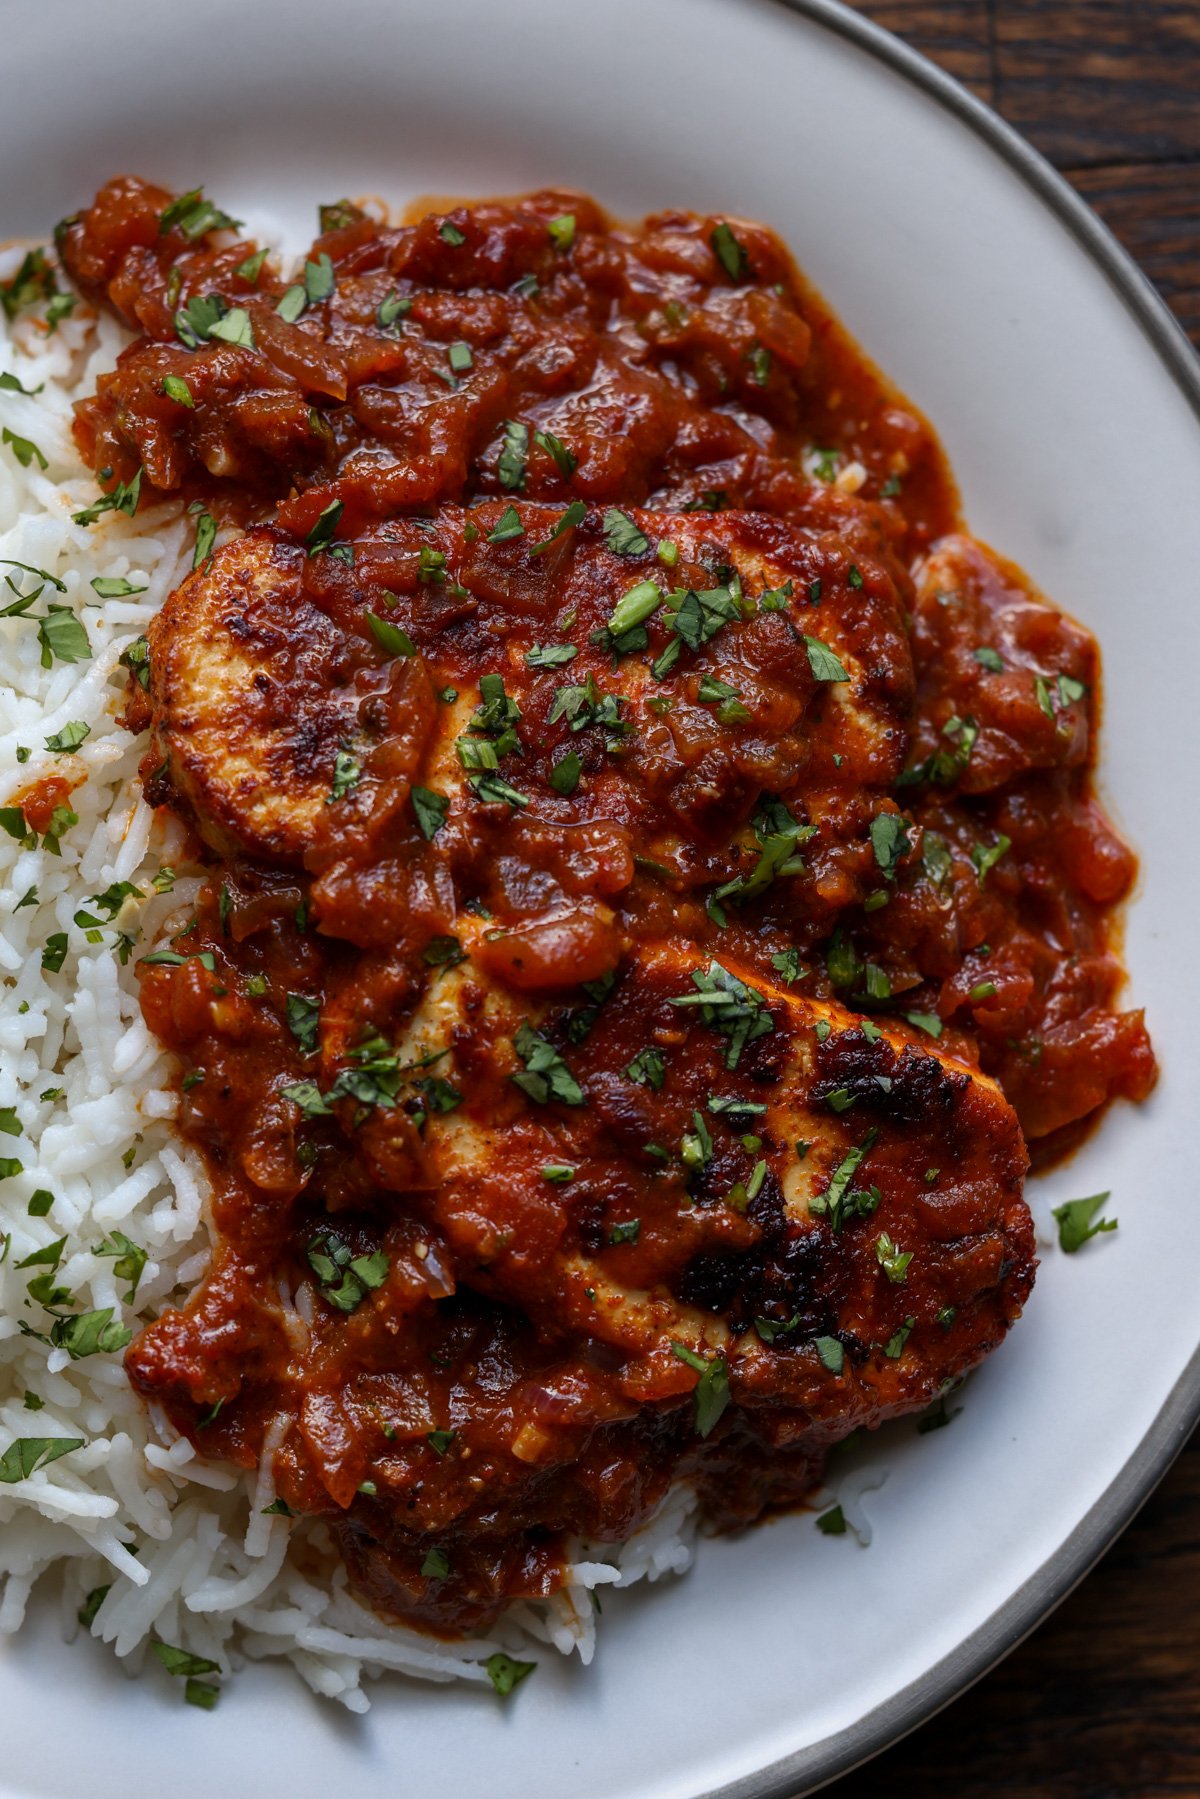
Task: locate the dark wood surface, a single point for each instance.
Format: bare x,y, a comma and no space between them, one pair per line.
1103,1702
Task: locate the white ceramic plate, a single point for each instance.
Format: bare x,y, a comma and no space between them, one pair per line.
1068,403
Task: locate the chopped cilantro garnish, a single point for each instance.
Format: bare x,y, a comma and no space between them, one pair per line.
727,1005
730,253
985,857
789,965
322,533
123,498
507,526
837,1201
130,1260
26,1455
550,655
565,460
545,1076
564,775
505,1673
90,1333
69,738
895,1343
622,536
769,1329
890,841
648,1068
710,1396
389,637
194,217
573,515
822,661
891,1259
304,1021
344,1278
175,388
393,306
1077,1221
23,448
346,776
515,448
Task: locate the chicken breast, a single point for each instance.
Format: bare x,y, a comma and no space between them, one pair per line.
666,681
750,1222
260,700
722,1164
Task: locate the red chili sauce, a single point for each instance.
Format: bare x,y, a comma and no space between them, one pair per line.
540,1286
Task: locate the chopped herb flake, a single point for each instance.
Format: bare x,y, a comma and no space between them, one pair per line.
1077,1221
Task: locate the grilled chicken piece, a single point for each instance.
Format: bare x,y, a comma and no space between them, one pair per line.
685,1224
736,1170
290,720
740,1221
268,662
258,693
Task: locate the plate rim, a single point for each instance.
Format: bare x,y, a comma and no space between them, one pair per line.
806,1770
803,1771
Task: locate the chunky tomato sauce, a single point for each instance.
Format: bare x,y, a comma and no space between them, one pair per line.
636,815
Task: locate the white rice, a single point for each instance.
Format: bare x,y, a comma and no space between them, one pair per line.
181,1544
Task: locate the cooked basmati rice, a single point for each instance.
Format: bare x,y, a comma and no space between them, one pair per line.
183,1547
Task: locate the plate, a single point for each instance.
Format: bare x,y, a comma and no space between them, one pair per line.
1068,403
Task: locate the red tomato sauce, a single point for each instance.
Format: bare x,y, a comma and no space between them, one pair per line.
415,384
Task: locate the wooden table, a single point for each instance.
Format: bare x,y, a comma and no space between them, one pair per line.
1104,1701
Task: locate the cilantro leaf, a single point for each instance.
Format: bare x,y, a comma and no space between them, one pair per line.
90,1333
346,776
513,451
565,460
730,253
545,1075
727,1005
710,1396
507,526
389,637
502,1670
194,217
129,1263
27,1454
1077,1221
622,536
890,841
821,659
431,809
304,1021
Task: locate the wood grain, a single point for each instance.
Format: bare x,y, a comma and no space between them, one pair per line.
1109,90
954,33
1103,1702
1154,208
1094,81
